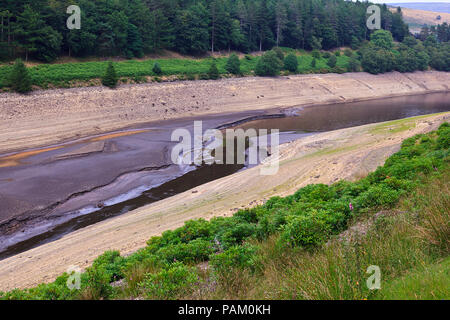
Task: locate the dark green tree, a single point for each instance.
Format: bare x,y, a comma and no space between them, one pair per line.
353,65
332,61
157,69
268,65
19,79
291,63
213,72
35,37
279,53
110,78
382,39
233,65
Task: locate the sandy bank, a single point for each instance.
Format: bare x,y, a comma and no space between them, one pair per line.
46,117
322,158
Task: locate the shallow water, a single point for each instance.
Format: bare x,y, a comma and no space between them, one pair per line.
308,120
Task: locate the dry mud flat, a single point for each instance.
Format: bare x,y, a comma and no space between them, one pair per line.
47,117
322,158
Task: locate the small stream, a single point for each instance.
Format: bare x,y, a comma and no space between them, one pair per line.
304,121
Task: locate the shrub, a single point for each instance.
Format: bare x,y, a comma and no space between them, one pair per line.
382,39
170,283
110,78
348,52
326,55
377,60
313,63
157,69
97,284
315,54
332,61
279,53
268,65
19,79
195,251
291,63
240,257
337,53
353,65
355,43
233,65
112,263
213,72
305,231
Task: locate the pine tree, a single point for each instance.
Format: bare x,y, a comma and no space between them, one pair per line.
20,80
332,61
110,78
157,69
233,64
291,63
213,72
268,65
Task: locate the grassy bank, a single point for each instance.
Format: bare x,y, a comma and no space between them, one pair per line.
134,71
289,248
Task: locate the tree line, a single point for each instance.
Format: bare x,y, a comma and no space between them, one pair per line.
131,28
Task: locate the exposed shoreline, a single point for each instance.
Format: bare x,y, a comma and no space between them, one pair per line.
55,116
322,158
49,118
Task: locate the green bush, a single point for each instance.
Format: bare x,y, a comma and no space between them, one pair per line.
240,257
97,285
306,231
279,53
233,65
332,61
112,264
110,78
269,65
315,54
170,283
291,63
19,79
326,55
157,69
195,251
348,52
353,65
213,72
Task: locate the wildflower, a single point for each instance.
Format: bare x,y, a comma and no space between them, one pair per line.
350,206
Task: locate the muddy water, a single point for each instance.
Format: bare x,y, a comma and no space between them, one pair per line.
301,121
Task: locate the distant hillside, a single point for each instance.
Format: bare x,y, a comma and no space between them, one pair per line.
416,19
428,6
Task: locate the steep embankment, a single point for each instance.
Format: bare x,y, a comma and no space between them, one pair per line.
47,117
323,158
